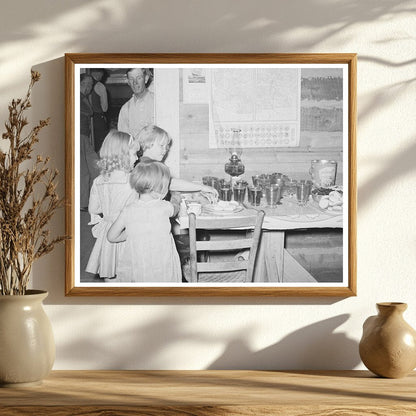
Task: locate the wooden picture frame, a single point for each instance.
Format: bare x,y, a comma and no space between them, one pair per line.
314,109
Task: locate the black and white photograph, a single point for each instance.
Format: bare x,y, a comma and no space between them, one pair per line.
232,175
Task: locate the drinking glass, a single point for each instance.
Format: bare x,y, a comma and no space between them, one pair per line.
303,190
290,186
263,181
224,193
277,178
241,182
256,180
224,183
239,192
277,181
273,194
255,194
210,181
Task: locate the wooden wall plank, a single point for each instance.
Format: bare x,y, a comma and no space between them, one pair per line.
320,137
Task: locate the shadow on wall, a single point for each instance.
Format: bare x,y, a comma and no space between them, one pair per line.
392,169
48,100
314,347
106,26
152,345
138,17
143,347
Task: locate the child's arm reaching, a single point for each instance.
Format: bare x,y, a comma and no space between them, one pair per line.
117,232
175,200
181,185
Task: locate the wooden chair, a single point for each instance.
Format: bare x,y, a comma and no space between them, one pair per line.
224,271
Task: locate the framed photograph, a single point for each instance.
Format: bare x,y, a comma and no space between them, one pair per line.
211,174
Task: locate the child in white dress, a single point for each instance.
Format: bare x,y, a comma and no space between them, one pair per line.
149,254
154,143
109,194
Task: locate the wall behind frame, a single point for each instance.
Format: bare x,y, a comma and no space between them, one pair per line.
247,333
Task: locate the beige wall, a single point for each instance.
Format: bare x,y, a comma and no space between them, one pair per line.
198,333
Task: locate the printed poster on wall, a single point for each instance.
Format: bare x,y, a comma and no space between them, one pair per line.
195,86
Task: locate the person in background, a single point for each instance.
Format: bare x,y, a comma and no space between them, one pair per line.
88,157
109,194
99,101
139,110
150,253
86,111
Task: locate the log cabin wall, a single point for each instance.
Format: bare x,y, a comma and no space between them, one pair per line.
320,136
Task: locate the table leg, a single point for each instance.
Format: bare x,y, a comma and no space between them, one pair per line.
270,257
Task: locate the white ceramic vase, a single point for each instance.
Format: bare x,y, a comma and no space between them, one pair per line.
27,346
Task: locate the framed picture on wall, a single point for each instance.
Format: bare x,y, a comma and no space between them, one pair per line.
211,174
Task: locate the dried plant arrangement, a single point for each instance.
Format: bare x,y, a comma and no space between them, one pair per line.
28,199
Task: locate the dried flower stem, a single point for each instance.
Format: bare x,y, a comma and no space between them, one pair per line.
23,217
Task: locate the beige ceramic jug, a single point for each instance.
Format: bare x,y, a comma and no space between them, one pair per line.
388,345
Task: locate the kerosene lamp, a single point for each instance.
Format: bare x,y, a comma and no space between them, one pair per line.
235,167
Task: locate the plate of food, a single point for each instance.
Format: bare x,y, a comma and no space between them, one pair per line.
319,192
332,203
222,208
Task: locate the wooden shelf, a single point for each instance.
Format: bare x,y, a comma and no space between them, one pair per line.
242,393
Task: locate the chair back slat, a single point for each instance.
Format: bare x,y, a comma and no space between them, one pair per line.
220,245
208,223
223,266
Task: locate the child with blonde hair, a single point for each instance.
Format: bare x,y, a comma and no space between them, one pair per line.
110,192
150,254
154,143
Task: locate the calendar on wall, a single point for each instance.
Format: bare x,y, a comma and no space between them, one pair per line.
263,103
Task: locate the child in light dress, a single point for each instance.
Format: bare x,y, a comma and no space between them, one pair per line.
110,192
149,254
154,144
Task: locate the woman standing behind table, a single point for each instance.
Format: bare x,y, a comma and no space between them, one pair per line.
109,194
150,253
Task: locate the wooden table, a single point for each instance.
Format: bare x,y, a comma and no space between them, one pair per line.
274,263
203,393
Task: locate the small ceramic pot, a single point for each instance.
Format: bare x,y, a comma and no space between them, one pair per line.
388,345
27,347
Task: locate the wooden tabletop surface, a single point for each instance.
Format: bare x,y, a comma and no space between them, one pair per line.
252,393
